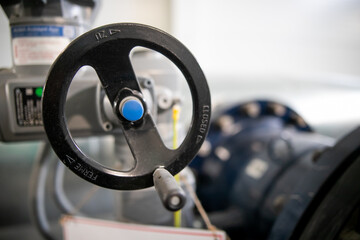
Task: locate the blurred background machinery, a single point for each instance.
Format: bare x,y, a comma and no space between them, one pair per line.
262,167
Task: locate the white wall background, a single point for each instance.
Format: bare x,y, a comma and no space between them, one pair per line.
276,36
155,12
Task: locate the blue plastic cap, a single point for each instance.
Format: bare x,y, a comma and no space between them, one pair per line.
132,110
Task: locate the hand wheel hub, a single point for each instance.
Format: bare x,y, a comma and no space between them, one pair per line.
131,109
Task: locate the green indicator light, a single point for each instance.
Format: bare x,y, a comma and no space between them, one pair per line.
39,92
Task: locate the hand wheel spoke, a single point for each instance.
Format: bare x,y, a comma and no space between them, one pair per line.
114,69
147,146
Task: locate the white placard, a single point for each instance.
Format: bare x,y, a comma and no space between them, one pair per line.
80,228
39,44
38,50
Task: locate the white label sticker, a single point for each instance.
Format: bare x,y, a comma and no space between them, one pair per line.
78,228
37,50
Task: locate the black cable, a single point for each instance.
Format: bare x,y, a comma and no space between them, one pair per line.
37,190
59,195
45,160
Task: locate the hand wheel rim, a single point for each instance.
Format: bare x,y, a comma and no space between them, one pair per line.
73,59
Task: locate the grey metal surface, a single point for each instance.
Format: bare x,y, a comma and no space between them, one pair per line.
83,108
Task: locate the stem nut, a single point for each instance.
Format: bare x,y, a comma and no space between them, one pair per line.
131,109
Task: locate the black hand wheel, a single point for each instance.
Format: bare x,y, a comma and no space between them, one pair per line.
107,50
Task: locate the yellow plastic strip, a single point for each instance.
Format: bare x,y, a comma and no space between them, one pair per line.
175,117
